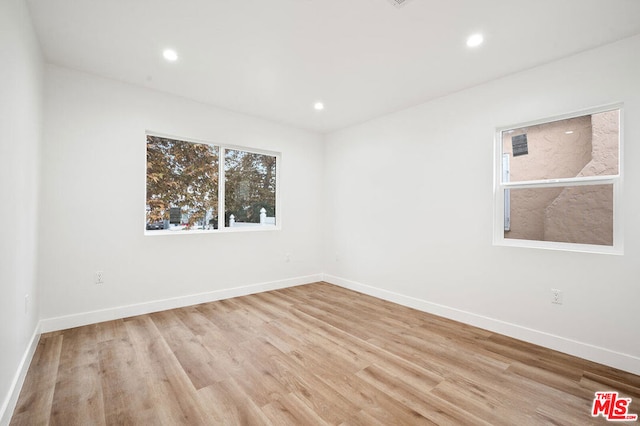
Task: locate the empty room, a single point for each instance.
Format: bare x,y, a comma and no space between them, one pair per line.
301,212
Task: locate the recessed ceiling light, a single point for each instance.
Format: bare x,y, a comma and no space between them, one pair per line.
568,132
318,106
170,55
475,40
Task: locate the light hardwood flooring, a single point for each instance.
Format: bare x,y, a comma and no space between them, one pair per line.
307,355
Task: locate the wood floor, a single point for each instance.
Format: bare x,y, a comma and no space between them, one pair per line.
314,354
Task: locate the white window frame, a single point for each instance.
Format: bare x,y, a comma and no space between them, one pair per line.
221,188
501,186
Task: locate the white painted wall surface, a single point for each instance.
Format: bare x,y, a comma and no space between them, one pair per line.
409,205
20,128
93,203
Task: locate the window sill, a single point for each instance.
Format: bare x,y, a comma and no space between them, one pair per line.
551,245
257,228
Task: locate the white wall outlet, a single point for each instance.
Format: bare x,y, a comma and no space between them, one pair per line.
556,296
99,277
287,257
26,303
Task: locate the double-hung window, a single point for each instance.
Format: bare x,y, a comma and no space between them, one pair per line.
199,187
558,183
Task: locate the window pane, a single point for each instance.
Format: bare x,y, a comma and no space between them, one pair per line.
250,189
576,147
182,185
570,214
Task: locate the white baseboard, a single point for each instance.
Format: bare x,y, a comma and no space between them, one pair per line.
10,401
92,317
583,350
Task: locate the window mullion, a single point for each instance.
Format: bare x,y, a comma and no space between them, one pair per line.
550,183
221,189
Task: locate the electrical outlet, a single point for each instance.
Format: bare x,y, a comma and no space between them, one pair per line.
26,304
287,257
556,296
99,277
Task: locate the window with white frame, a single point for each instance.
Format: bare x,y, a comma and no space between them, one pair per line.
190,183
558,183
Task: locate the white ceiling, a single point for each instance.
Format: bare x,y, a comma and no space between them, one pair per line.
362,58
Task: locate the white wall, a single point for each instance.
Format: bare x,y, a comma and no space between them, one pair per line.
93,203
409,202
20,127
